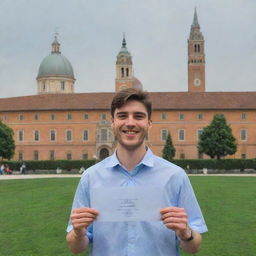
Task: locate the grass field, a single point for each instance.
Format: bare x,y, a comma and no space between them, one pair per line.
34,214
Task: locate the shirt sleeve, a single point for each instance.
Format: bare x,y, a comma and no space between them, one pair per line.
188,201
81,199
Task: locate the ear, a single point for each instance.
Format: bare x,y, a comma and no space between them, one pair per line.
112,122
149,123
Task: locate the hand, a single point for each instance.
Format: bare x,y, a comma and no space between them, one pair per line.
81,218
176,219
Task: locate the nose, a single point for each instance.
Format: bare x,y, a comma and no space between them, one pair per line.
130,121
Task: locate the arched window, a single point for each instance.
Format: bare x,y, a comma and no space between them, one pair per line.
122,72
127,71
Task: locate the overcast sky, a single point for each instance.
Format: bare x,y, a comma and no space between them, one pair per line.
90,34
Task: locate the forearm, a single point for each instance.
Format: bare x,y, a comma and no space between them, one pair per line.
77,243
192,246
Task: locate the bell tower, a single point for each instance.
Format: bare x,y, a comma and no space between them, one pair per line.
124,72
196,58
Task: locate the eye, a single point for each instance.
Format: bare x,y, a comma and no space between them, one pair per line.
121,116
139,116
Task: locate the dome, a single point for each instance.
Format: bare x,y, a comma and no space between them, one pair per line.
136,84
55,64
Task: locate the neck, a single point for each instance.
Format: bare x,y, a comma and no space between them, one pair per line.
130,158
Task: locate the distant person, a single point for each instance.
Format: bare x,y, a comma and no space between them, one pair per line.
2,169
23,168
8,170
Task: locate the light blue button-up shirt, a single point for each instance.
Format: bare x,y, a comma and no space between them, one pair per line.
138,238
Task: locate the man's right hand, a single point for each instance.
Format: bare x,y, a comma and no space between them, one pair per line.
81,218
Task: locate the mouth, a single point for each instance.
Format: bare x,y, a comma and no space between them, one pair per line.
130,132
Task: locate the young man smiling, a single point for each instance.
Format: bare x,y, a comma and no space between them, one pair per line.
133,164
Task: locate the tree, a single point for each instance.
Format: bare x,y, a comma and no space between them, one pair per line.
169,150
217,139
7,145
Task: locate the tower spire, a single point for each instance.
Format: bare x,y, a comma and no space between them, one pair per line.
124,41
195,20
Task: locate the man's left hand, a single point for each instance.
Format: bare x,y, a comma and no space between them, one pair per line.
176,219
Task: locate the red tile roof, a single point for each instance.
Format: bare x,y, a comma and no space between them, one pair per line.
160,100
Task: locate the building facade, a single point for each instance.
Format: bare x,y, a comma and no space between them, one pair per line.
58,123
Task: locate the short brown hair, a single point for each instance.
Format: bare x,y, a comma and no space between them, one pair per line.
131,94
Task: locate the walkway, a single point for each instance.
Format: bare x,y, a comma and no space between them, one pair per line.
41,176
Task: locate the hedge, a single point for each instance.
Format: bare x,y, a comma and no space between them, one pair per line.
51,164
187,164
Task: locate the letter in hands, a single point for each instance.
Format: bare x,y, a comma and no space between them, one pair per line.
81,218
176,219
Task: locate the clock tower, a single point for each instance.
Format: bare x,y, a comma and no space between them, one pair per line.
124,72
196,58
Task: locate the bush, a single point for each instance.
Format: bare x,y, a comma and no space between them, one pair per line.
51,164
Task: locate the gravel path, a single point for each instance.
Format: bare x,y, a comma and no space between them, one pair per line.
41,176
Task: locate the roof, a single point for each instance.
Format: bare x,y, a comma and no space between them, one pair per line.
55,64
160,100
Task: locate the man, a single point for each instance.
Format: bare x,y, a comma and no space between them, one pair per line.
133,164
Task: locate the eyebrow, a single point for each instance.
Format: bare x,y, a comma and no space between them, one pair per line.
136,113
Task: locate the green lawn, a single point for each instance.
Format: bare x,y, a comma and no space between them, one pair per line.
34,214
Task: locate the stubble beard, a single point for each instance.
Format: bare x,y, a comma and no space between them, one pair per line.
127,146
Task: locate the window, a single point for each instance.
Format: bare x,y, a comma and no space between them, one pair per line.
127,71
69,116
85,135
86,116
68,135
243,116
52,117
199,116
164,134
243,134
62,85
182,156
103,116
181,134
51,155
243,156
36,155
181,116
104,134
36,135
52,135
21,117
122,72
20,156
69,156
85,156
199,132
164,116
21,135
43,86
36,117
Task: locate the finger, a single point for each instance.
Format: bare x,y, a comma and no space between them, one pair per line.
85,209
174,214
171,209
175,220
83,215
175,226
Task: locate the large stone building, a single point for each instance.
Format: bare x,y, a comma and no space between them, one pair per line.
58,123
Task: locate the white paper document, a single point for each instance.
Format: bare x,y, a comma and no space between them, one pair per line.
132,203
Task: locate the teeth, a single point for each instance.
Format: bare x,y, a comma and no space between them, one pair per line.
130,132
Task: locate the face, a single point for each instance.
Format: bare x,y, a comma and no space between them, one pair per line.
130,125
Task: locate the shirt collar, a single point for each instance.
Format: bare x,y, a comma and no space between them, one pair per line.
147,159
